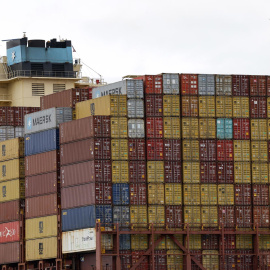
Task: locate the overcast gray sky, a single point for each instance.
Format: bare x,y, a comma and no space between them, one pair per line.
117,37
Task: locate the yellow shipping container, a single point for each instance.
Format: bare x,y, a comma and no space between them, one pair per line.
119,149
171,105
138,216
162,243
207,128
170,243
242,173
12,169
240,107
209,216
139,242
210,259
260,173
119,127
192,216
192,194
226,194
106,242
241,150
268,107
209,194
39,249
155,171
12,149
207,106
175,259
258,129
12,190
224,106
268,128
41,227
120,172
191,172
173,194
264,241
156,215
171,126
191,151
114,105
243,241
259,151
156,193
190,128
195,241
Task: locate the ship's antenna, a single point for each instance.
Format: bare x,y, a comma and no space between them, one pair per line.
24,34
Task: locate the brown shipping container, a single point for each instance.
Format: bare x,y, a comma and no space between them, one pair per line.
77,196
42,163
88,149
242,194
261,216
243,216
137,171
10,211
210,241
136,149
189,84
154,149
153,105
103,193
226,216
241,129
208,150
172,149
245,259
138,194
257,85
152,84
260,194
225,174
154,127
93,126
41,184
10,253
173,171
208,171
173,216
41,206
229,241
240,85
258,107
190,106
225,150
268,85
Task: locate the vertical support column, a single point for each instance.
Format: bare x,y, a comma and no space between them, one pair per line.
40,265
4,267
118,261
222,248
21,266
256,247
59,264
98,246
188,258
152,247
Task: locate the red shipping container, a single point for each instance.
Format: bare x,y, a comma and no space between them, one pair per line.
10,211
241,130
155,149
225,172
226,216
258,107
10,116
189,84
126,260
208,172
20,112
172,149
160,260
207,150
229,260
34,109
138,195
154,127
153,105
103,193
210,241
41,184
268,85
173,172
42,163
269,150
136,149
10,232
242,194
136,255
137,172
173,216
260,194
229,241
245,260
243,216
258,85
152,84
3,116
225,150
240,85
197,254
261,216
10,253
190,106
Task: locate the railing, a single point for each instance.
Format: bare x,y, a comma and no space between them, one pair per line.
37,73
5,97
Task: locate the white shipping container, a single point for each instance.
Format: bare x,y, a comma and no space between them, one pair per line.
79,240
136,128
135,108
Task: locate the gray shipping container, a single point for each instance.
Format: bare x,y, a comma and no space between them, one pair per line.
131,88
223,85
170,83
136,128
135,108
19,132
121,215
206,84
46,119
7,133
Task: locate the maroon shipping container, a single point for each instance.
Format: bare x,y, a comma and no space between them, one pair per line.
257,85
153,105
10,232
136,149
258,107
269,150
242,194
152,84
88,149
103,193
261,216
226,216
189,84
260,194
41,206
10,211
137,172
173,216
78,196
197,254
136,255
6,116
20,112
155,149
138,195
10,253
240,85
42,163
172,149
41,184
225,150
268,85
241,130
243,216
245,260
86,172
154,127
190,106
160,260
210,241
126,259
229,260
172,171
225,172
207,150
229,241
93,126
208,172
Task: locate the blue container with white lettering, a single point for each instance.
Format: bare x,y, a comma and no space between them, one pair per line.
224,128
120,194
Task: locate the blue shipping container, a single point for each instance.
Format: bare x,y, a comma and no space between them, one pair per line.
120,194
224,128
121,215
41,142
104,214
125,241
78,218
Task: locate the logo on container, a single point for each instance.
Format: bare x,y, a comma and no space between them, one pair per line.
29,123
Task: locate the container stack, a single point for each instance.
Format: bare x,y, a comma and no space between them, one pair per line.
42,203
